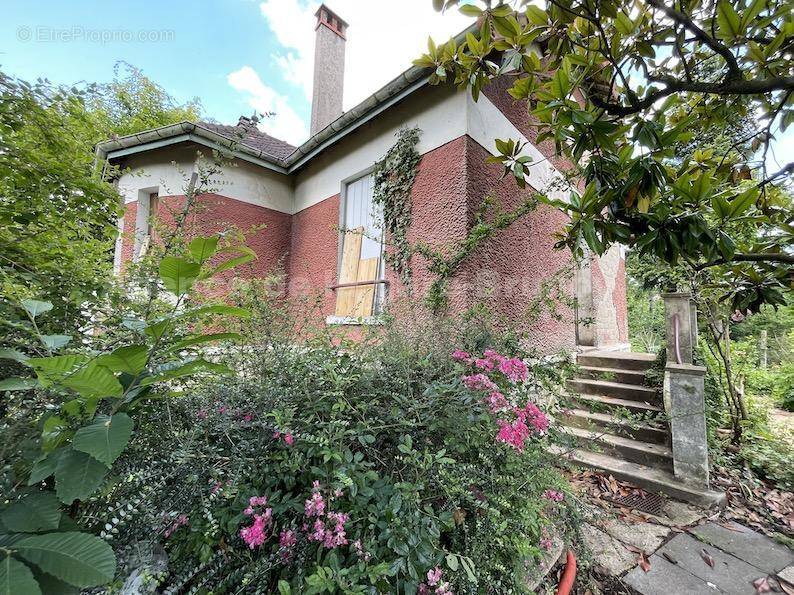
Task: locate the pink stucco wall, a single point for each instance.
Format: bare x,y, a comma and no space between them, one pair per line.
267,232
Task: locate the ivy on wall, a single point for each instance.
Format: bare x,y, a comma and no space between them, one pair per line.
445,266
393,178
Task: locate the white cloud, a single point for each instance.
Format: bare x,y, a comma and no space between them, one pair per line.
286,124
382,39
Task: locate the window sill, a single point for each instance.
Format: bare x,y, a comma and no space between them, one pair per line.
353,321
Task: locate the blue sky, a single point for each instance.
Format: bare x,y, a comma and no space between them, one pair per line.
237,56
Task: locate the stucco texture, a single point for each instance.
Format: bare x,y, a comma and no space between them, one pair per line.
267,232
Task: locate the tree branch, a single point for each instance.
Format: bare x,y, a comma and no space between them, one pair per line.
683,20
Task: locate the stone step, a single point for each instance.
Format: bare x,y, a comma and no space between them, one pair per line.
627,449
589,420
623,360
634,377
604,404
649,478
618,390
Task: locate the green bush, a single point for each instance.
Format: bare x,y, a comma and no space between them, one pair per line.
402,456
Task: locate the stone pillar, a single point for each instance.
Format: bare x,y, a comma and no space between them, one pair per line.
585,315
680,311
684,396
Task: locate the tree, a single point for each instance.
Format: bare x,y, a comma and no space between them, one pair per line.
617,85
57,216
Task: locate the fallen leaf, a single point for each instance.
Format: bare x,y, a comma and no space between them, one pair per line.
644,562
762,585
669,558
787,588
707,557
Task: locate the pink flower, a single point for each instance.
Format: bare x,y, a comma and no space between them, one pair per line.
545,543
423,590
433,576
534,416
444,589
479,382
202,414
515,369
513,434
248,417
554,495
256,534
276,435
314,506
248,511
257,501
497,402
289,439
360,551
315,486
222,409
484,364
287,539
461,356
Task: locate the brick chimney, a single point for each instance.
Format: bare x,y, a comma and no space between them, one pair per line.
329,68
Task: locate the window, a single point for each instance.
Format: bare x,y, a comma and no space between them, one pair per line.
361,257
148,203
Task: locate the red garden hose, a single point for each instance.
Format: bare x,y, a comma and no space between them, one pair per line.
568,575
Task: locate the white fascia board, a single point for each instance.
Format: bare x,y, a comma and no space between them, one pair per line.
486,123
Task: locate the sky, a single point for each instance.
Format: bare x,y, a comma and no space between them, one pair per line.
237,56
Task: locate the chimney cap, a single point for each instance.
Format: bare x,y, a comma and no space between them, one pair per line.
326,16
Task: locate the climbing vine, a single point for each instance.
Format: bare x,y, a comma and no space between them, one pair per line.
444,266
393,179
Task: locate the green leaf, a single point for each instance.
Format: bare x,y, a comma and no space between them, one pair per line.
187,369
52,586
536,16
15,355
470,10
35,307
44,467
729,24
178,274
740,204
452,562
35,512
624,24
16,578
18,383
79,559
246,255
94,380
55,368
284,588
203,339
202,249
106,438
53,342
77,476
130,359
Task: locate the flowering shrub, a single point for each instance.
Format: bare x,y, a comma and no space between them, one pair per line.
352,468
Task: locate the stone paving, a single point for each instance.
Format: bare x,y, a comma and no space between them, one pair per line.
710,558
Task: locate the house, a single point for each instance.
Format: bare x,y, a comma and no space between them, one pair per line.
306,197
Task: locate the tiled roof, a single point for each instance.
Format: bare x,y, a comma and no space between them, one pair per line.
249,135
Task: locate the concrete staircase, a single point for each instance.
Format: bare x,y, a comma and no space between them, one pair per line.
633,447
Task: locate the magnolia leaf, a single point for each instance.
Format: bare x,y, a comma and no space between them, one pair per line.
35,512
202,249
729,24
18,383
178,274
218,309
246,255
52,586
94,380
77,476
53,342
35,307
16,578
79,559
106,438
131,359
